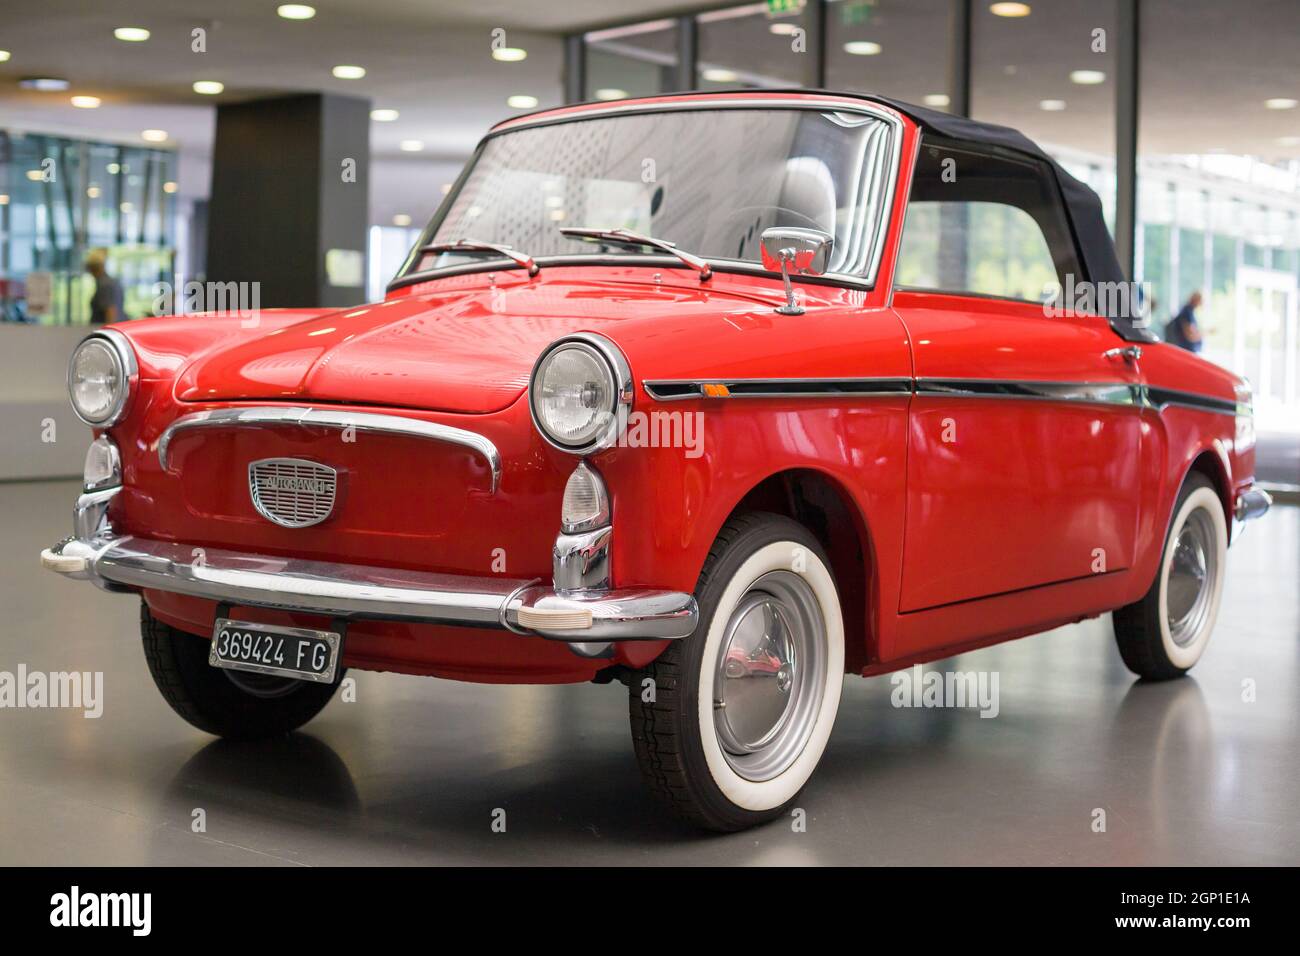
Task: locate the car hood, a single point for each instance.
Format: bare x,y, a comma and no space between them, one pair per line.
452,345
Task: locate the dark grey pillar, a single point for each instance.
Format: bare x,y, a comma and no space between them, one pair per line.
1128,23
284,212
575,68
959,57
688,53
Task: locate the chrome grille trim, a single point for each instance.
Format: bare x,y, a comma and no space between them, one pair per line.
269,415
292,492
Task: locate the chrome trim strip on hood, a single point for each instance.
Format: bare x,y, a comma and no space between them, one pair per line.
258,416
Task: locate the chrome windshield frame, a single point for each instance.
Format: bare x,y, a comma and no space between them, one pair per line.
866,281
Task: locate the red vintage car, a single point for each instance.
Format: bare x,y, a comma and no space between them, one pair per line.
720,396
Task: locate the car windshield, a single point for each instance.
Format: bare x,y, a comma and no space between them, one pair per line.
709,180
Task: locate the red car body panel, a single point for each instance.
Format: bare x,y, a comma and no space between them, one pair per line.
965,542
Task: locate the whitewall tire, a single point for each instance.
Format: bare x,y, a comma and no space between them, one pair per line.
730,723
1164,634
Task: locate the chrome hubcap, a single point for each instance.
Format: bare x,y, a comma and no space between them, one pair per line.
769,676
1192,575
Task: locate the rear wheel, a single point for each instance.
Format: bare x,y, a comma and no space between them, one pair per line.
1165,633
228,703
730,723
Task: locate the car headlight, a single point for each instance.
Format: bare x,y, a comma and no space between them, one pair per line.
580,390
100,376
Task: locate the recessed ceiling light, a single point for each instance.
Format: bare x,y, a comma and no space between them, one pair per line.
1087,77
208,87
4,56
296,11
169,187
556,215
113,169
411,145
126,207
401,219
1052,106
862,48
611,93
131,34
716,74
1009,9
85,102
1280,103
784,29
346,72
937,99
154,135
4,199
43,83
92,192
384,116
521,101
509,54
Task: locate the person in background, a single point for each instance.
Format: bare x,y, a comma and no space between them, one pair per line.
1183,330
106,304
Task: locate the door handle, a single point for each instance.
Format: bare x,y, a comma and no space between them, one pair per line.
1130,354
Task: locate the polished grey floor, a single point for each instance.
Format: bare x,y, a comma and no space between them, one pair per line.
1189,772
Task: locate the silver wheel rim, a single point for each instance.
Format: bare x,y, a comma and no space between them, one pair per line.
769,676
1193,573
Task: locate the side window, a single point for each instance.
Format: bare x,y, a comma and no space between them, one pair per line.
984,224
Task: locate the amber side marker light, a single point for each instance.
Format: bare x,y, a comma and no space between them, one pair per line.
716,390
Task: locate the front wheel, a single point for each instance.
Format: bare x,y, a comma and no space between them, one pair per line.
730,723
1166,632
227,703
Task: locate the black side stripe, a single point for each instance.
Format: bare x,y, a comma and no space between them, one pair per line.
1087,393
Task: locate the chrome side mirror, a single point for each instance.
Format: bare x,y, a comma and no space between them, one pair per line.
806,252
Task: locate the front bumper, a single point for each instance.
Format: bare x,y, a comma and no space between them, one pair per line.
583,618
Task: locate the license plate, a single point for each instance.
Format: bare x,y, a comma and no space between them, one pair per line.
270,649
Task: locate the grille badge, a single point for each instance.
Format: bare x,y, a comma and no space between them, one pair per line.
292,492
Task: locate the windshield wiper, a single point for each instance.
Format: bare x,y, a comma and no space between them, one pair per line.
477,245
623,237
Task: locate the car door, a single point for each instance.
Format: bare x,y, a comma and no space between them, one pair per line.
1023,450
1025,428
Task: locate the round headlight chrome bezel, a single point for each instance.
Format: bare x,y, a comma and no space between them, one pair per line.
128,372
620,378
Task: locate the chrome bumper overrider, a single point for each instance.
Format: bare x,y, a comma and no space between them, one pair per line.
1252,504
361,592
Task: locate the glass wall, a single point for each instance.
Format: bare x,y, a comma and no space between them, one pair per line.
637,60
60,198
1219,185
766,44
896,48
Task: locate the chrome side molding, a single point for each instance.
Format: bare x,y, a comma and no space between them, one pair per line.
259,416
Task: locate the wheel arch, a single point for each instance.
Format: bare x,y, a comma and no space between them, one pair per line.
1212,462
824,505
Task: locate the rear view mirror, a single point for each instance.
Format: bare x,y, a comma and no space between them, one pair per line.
788,249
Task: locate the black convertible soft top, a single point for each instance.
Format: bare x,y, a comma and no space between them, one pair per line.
1082,206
